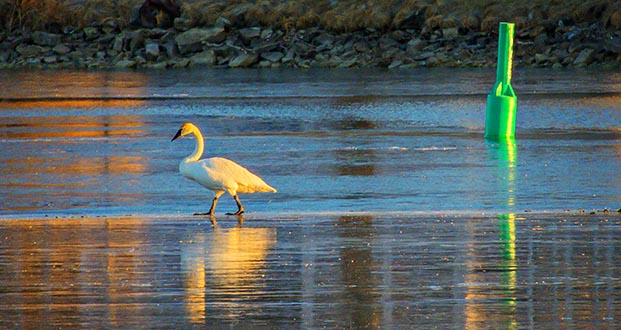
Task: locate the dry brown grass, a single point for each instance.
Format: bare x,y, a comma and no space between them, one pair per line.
41,14
33,13
336,15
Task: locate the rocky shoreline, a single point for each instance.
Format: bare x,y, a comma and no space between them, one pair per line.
551,44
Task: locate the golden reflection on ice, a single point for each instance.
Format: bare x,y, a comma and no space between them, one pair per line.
67,129
124,268
77,84
227,264
55,165
193,263
52,258
75,103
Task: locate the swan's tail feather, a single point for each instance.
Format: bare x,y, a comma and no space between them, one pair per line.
266,188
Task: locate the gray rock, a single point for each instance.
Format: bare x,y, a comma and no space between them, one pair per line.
324,39
136,39
264,64
267,33
450,33
395,64
91,33
361,46
109,25
140,60
192,40
540,42
46,39
119,43
5,55
111,53
181,63
386,42
156,33
152,50
171,49
204,58
30,50
585,57
248,34
157,65
222,22
302,48
50,59
289,57
125,64
105,39
243,60
349,62
541,58
215,35
613,44
416,45
61,49
424,56
260,46
182,24
272,56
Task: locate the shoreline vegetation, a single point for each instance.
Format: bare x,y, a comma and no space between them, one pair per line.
99,34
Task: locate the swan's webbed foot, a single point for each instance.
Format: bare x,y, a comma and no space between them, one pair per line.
212,209
204,213
238,213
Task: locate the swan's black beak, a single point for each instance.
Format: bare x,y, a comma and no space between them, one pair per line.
176,135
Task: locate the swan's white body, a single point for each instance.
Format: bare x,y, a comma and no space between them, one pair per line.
217,174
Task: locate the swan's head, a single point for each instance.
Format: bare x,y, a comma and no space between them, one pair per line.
185,129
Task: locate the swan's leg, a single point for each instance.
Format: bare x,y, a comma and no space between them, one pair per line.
240,208
212,209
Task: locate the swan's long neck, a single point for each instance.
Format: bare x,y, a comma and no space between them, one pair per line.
198,150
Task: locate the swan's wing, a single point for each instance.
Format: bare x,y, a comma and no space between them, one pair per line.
227,170
206,176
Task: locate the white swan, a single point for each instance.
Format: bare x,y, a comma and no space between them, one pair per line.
217,174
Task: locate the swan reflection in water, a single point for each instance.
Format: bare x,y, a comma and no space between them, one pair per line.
224,270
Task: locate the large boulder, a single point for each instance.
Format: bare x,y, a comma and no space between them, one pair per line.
204,58
152,51
585,57
30,50
192,40
45,39
91,33
136,39
61,49
273,57
247,34
243,60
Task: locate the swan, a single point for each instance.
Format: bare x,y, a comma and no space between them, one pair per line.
218,174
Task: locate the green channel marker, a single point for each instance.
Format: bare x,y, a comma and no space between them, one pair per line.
501,101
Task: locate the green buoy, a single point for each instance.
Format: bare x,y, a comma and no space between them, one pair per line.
501,101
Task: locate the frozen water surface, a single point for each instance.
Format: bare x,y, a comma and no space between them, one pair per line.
392,211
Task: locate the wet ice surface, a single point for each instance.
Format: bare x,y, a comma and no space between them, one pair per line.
391,208
347,271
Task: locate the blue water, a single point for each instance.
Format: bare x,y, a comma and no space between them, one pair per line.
98,143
